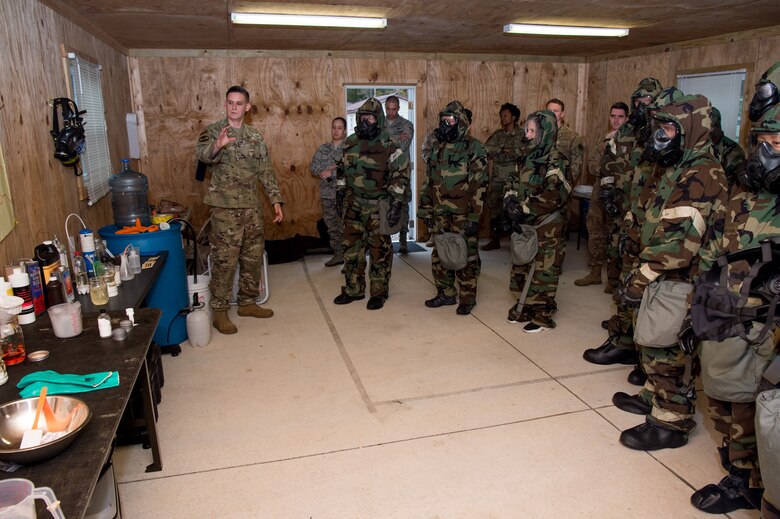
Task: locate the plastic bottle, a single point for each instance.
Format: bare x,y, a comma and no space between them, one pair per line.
125,272
36,285
20,281
66,275
129,197
54,294
80,274
3,373
104,325
48,258
198,324
87,240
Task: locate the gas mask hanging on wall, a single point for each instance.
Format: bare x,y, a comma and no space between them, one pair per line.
69,141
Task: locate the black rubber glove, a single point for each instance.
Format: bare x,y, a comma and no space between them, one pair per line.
607,197
394,214
471,228
513,209
686,338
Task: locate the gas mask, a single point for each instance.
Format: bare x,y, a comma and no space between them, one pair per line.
765,97
447,132
762,169
664,150
638,116
367,130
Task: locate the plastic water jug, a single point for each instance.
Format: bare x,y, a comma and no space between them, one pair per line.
198,324
129,197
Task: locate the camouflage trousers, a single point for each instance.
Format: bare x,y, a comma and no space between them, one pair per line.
361,233
540,302
495,196
467,277
334,222
598,225
613,257
673,394
621,324
236,238
736,422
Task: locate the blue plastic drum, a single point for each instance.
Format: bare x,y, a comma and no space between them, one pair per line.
169,292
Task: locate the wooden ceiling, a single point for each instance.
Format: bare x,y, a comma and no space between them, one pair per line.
418,26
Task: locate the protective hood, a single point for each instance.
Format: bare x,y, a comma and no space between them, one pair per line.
374,107
540,147
762,169
691,116
767,93
649,86
461,114
665,97
638,117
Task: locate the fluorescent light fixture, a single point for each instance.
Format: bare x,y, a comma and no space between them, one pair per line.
563,30
309,20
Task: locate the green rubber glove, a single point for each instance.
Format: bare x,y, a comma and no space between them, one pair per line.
64,384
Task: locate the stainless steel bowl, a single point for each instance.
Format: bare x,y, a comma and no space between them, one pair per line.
17,417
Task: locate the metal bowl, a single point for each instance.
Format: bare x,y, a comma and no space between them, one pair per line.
17,417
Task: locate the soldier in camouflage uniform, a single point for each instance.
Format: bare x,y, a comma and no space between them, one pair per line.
239,159
753,214
504,148
401,130
681,199
728,152
375,168
324,165
536,196
597,221
767,93
621,155
569,142
451,201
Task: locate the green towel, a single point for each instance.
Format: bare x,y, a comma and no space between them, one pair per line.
65,384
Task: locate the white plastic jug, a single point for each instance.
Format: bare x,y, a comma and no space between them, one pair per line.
17,499
198,325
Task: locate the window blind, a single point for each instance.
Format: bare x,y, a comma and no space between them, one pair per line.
725,92
86,85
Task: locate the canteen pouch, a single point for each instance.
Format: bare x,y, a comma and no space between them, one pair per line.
523,245
731,369
661,313
452,250
768,437
384,205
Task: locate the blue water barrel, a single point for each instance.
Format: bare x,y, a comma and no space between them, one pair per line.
169,292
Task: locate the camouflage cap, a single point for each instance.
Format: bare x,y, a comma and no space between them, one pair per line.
374,107
769,122
664,97
649,86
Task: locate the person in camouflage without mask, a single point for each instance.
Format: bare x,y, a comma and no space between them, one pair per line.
539,191
685,194
451,201
239,159
325,166
728,152
752,215
375,168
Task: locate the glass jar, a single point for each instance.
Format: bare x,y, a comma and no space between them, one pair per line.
11,339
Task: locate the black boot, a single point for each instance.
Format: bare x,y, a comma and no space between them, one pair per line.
440,300
637,376
608,353
726,496
651,437
631,403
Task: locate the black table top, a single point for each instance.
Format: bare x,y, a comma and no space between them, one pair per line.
73,473
131,293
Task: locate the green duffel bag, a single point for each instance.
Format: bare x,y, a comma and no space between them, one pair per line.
452,250
523,245
661,313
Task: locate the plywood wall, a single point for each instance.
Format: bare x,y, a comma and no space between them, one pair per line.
43,191
295,99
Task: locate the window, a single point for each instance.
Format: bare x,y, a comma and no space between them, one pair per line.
86,86
725,91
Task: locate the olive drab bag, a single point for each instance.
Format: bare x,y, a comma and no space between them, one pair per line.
768,439
661,313
452,250
524,245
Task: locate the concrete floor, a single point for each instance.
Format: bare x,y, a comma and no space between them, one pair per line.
329,411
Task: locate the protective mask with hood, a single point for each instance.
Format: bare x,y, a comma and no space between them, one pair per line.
767,93
762,169
663,98
691,118
447,132
366,130
539,148
649,86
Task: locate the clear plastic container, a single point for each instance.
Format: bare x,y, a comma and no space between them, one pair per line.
129,197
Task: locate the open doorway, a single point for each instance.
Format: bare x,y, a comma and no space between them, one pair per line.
356,95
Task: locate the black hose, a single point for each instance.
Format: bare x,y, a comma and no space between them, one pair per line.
195,245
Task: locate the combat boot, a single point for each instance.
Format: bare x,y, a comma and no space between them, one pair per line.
337,259
403,248
222,322
594,278
253,310
727,495
493,244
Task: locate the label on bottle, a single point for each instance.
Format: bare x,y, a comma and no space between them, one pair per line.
36,285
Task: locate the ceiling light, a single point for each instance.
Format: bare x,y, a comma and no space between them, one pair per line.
309,20
563,30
